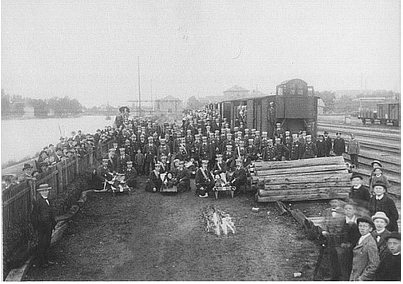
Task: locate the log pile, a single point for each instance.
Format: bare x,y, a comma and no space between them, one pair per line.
308,179
217,221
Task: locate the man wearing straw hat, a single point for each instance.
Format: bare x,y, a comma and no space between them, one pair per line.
44,222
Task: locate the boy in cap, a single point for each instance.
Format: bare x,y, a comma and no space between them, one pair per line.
353,149
390,267
44,222
359,193
139,162
365,253
380,233
382,202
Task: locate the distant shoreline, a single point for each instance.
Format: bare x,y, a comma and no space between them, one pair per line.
52,117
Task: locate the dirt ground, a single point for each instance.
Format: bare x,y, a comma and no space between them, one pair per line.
149,236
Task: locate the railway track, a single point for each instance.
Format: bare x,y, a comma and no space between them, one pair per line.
376,144
373,133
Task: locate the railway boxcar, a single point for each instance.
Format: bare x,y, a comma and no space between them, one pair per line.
385,113
294,106
389,113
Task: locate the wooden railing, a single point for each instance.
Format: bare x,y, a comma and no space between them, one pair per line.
17,200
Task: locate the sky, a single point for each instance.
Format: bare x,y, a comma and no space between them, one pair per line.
89,49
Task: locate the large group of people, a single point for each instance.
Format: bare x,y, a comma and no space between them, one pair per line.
361,234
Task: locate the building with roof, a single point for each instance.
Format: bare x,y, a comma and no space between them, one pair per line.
235,92
167,105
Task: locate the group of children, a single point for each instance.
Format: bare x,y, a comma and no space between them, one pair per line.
362,235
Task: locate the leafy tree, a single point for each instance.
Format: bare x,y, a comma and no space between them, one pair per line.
194,103
328,99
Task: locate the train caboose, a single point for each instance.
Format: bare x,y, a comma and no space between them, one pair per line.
294,106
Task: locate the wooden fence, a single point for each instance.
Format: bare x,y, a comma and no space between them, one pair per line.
17,200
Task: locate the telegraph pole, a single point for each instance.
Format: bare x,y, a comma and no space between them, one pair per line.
152,104
138,73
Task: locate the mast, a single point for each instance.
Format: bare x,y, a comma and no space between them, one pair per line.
138,73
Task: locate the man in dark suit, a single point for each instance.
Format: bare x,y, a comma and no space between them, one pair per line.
339,146
44,222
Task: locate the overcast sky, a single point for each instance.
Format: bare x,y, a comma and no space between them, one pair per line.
88,49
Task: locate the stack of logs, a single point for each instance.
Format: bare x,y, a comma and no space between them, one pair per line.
308,179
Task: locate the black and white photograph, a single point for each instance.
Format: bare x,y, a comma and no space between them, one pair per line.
201,140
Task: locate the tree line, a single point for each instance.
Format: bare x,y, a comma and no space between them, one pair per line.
15,106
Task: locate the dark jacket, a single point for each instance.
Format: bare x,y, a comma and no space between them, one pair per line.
339,146
389,269
42,214
387,205
360,196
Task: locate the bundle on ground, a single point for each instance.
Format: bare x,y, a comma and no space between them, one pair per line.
217,221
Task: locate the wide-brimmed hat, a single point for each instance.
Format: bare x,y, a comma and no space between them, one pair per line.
380,215
43,187
27,166
366,220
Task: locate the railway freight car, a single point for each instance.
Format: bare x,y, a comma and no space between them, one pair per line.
387,113
294,106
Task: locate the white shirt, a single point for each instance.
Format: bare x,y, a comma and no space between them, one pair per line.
351,220
363,238
379,197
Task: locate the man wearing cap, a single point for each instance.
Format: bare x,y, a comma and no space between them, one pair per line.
121,161
130,175
204,180
390,267
359,193
103,173
150,151
239,177
339,145
310,150
182,178
382,202
328,143
353,149
44,222
365,253
220,166
154,181
26,173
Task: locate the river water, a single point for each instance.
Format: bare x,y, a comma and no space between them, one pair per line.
25,137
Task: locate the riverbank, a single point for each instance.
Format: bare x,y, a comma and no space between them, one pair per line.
21,139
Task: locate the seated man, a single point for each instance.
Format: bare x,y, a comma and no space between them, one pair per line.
103,174
204,180
220,166
182,178
154,181
239,177
131,175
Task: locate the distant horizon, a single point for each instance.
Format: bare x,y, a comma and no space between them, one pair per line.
92,50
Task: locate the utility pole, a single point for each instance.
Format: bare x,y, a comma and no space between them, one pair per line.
152,104
138,73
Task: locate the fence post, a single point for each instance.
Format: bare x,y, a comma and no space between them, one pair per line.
59,176
91,157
